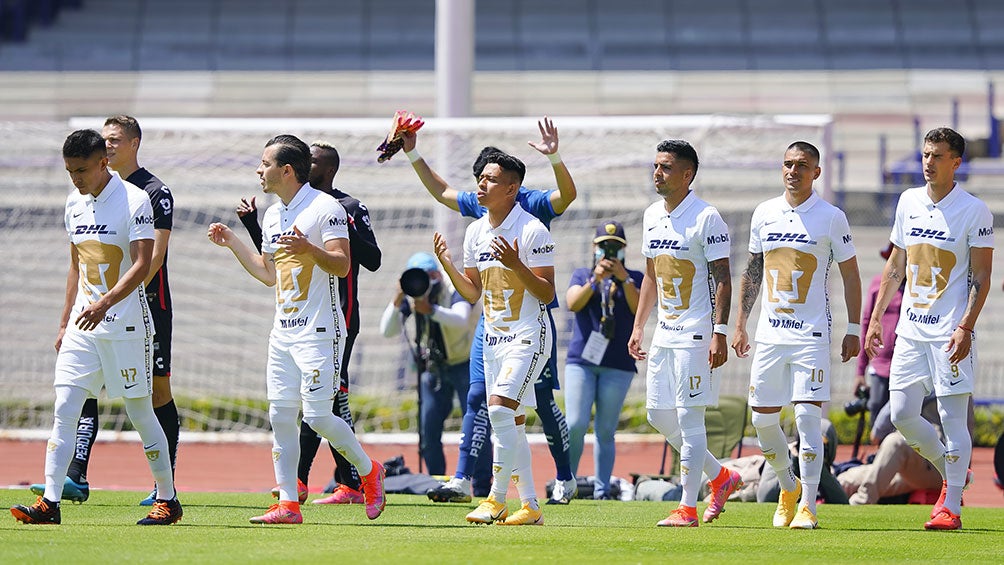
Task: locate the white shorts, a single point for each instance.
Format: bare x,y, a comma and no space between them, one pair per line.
301,371
679,377
926,362
512,375
123,366
782,374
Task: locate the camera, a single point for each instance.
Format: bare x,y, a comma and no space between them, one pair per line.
415,282
612,249
860,402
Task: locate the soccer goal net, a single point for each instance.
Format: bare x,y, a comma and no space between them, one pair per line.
222,316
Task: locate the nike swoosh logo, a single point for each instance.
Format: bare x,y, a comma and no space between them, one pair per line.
953,383
815,388
315,389
127,387
151,446
78,214
915,217
770,222
694,394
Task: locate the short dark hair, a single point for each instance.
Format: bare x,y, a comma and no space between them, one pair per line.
481,161
128,124
681,149
330,152
83,143
805,147
507,162
294,152
956,143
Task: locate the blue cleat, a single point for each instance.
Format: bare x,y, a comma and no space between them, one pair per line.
72,490
150,499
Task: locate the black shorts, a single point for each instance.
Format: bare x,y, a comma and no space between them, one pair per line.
162,323
343,378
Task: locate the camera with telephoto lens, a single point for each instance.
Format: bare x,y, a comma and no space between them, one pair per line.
860,402
415,282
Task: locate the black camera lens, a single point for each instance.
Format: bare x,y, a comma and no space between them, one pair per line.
611,248
856,407
415,282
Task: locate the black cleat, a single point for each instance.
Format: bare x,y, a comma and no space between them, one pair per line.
164,513
42,512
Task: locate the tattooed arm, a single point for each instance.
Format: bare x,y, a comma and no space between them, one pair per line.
720,272
961,342
749,290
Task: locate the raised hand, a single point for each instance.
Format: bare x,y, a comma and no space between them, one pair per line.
245,207
220,234
506,254
548,137
295,243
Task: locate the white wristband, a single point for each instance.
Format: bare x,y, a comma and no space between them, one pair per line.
413,155
554,158
721,329
854,329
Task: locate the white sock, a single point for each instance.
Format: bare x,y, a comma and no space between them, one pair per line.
958,447
506,440
522,473
341,437
59,451
692,453
904,408
285,448
774,447
667,423
808,420
143,418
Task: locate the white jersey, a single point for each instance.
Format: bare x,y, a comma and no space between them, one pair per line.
306,297
937,238
514,318
101,230
681,244
798,245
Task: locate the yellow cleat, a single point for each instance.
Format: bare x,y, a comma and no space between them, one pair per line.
787,503
490,510
804,520
525,516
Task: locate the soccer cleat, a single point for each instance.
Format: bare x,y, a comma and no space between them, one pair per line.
453,490
564,491
373,494
787,503
342,495
945,520
490,510
42,512
301,491
525,516
150,498
804,520
279,514
682,517
720,493
164,513
940,505
72,490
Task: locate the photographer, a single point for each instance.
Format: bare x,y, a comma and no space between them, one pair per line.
599,369
440,343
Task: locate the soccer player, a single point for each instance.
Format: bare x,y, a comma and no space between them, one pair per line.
943,246
545,206
793,239
686,248
122,137
305,249
363,250
111,228
509,265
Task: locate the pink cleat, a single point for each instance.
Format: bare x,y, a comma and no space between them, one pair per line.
720,493
373,493
342,495
279,514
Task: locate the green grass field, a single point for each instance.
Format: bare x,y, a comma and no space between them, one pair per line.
215,529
